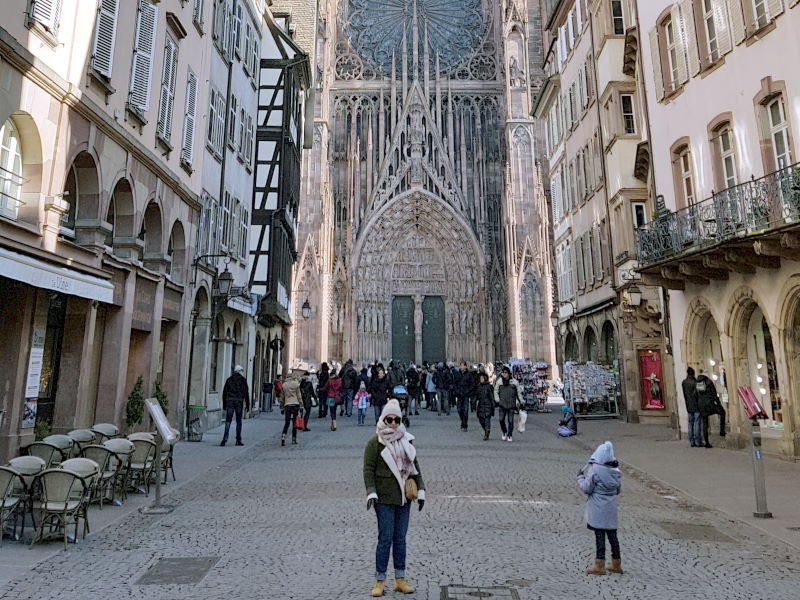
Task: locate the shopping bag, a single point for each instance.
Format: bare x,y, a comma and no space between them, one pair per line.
299,423
523,417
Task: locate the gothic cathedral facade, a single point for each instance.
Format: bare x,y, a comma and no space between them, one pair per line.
423,229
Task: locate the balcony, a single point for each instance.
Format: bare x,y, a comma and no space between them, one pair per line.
748,225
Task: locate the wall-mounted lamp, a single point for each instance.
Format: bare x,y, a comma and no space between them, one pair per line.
225,282
306,309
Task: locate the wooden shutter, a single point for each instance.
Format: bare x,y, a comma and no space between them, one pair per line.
737,20
721,26
105,34
690,36
655,55
775,8
47,13
144,43
680,33
190,114
167,88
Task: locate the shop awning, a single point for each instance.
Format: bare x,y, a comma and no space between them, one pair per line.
242,305
51,277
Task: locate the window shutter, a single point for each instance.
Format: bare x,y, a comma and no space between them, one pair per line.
47,13
105,35
187,144
737,20
167,89
143,48
775,8
721,26
655,56
690,35
680,31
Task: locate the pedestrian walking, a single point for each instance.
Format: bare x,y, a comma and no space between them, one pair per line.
412,377
290,404
442,381
332,392
507,398
430,389
361,401
484,405
690,398
235,398
600,481
393,480
322,379
379,390
463,384
310,399
350,381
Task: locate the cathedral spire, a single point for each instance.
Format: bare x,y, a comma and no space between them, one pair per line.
405,62
426,64
415,41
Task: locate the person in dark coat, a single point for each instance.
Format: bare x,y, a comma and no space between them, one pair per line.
396,374
463,384
508,398
690,397
412,377
443,382
322,379
309,395
709,404
484,404
350,383
235,398
380,389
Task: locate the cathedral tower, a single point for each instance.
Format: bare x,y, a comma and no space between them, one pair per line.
423,222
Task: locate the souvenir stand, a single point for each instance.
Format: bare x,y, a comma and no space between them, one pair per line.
591,389
534,381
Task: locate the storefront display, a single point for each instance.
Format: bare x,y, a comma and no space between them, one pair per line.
650,377
534,380
591,389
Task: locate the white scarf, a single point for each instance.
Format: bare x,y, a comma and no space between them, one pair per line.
398,443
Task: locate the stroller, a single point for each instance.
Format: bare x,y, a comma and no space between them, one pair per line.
400,394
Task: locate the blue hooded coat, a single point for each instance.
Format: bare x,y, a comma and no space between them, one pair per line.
600,480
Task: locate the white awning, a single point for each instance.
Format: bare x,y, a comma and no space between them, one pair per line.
240,304
51,277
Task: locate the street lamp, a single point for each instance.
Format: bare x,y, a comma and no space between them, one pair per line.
634,296
306,309
225,282
554,318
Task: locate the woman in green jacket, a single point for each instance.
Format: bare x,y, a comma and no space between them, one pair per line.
390,460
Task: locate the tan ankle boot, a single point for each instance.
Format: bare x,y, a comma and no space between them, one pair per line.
599,567
400,585
377,589
333,425
616,566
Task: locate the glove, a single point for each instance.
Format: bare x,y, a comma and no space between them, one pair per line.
370,502
421,503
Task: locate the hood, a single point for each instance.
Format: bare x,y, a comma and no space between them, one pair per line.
604,454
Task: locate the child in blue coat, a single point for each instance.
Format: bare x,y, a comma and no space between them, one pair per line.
600,481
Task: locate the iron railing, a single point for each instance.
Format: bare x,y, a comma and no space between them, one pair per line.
737,212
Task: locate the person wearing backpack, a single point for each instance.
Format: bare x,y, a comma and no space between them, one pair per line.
350,384
709,404
690,397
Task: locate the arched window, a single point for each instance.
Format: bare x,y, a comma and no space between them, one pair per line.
10,170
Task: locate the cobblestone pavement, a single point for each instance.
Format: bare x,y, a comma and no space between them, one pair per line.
503,520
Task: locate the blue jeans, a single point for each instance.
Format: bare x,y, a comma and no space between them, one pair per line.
362,414
694,428
234,406
462,403
392,528
348,402
378,411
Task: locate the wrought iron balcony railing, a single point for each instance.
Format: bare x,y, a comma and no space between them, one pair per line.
734,213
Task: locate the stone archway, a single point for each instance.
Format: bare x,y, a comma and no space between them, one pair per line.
417,246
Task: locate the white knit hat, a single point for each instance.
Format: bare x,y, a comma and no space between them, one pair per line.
392,407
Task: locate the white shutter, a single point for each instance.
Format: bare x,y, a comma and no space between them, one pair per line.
680,32
144,46
167,88
47,13
578,15
737,20
721,27
105,34
187,144
690,35
655,55
775,8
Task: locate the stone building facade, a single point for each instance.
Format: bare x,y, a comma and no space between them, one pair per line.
423,231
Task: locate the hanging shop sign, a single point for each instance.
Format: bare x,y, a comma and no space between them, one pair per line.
143,302
35,363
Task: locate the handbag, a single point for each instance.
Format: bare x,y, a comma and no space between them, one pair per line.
299,423
411,489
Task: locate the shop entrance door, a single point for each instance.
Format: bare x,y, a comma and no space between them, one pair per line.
403,329
434,346
51,361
